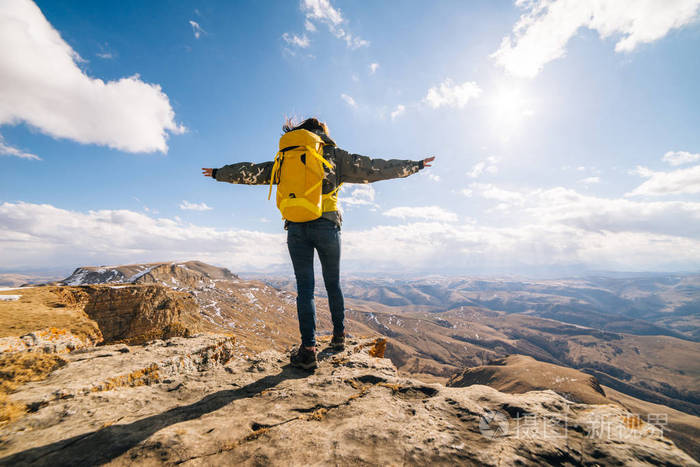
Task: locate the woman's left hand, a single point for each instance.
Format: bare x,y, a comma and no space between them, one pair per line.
427,161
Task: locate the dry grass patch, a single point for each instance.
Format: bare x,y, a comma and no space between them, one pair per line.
145,376
18,368
47,307
377,347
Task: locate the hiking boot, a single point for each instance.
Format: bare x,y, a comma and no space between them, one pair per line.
304,358
338,342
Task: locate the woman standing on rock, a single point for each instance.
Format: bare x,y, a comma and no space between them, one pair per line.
310,159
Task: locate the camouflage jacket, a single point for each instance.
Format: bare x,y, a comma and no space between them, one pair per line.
347,168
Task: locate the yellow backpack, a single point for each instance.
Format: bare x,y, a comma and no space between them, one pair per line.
298,173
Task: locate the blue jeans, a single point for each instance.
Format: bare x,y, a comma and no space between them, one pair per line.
323,236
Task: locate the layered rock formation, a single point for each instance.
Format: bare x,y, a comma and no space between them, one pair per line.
140,313
196,402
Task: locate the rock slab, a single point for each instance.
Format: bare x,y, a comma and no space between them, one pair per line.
203,404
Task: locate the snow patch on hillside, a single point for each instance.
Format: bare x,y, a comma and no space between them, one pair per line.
140,274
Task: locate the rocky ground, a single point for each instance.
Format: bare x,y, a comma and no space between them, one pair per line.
199,401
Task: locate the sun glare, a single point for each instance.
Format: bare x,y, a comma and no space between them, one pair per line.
508,109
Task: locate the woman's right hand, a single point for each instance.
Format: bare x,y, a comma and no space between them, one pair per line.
426,162
207,172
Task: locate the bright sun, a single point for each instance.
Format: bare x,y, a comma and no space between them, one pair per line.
508,108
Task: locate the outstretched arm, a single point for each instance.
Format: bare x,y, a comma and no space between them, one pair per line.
355,168
246,173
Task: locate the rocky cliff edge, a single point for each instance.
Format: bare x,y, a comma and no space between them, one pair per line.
198,401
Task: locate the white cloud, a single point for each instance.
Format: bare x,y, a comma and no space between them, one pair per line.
309,26
590,213
187,206
348,100
38,235
555,227
642,171
196,29
324,12
361,195
43,86
489,191
293,39
373,68
563,206
7,150
400,109
489,166
431,213
452,95
543,31
590,180
351,41
677,182
680,157
445,247
477,170
105,55
429,175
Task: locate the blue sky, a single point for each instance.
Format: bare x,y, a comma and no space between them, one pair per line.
565,132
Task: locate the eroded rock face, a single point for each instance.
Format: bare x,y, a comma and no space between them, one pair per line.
208,406
137,314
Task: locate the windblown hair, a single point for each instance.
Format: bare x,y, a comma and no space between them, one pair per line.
310,124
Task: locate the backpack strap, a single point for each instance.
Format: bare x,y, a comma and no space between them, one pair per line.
331,193
275,171
319,156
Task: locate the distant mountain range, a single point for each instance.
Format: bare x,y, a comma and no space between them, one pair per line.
647,305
